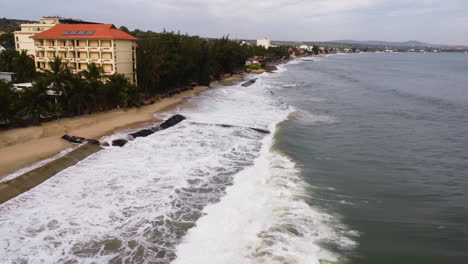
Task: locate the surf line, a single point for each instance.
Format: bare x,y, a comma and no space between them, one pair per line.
260,130
174,120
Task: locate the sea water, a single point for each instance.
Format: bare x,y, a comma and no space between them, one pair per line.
364,164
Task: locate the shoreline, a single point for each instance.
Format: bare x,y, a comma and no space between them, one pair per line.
24,147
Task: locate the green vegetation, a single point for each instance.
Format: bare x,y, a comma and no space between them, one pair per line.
7,40
18,62
254,66
167,63
10,25
7,26
58,92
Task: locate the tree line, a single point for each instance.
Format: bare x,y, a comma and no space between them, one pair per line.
167,62
57,92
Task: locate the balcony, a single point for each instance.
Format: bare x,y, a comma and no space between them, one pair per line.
106,49
107,61
109,72
39,47
40,59
81,48
50,48
94,60
62,48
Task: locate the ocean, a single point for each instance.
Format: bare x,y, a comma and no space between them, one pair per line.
366,163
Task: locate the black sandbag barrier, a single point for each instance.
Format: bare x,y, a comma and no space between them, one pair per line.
142,133
25,182
174,120
250,82
260,130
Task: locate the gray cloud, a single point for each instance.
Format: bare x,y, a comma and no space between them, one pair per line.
434,21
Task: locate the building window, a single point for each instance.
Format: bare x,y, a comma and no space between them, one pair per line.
17,46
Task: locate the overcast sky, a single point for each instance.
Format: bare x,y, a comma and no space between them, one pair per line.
433,21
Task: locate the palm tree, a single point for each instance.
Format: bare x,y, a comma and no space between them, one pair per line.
93,72
34,102
78,97
6,60
93,76
121,92
24,67
7,98
57,76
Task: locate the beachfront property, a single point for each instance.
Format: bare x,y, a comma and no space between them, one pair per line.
79,45
266,43
23,40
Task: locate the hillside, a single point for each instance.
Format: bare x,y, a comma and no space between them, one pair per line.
9,25
411,43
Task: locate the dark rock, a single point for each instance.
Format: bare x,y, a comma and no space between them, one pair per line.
174,120
264,131
93,141
142,133
119,142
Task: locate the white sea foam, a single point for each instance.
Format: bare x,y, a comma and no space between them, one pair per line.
135,204
263,219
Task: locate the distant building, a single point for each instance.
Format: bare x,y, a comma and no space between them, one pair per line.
23,40
244,43
266,43
81,44
306,47
7,76
1,48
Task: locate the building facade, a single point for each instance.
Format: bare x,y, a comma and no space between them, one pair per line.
79,45
23,40
266,43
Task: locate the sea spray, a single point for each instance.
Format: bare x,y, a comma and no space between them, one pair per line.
263,219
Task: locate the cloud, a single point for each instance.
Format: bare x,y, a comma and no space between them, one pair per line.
277,19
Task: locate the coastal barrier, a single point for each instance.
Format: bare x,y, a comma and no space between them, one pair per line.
260,130
25,182
174,120
250,82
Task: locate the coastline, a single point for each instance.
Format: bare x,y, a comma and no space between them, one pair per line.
23,147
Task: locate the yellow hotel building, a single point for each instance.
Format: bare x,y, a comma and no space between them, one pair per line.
81,44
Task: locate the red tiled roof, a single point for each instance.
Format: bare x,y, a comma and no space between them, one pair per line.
99,31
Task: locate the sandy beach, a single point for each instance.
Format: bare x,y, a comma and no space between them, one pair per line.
22,147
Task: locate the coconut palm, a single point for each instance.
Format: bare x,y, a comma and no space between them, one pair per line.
6,60
34,102
7,98
57,76
24,67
